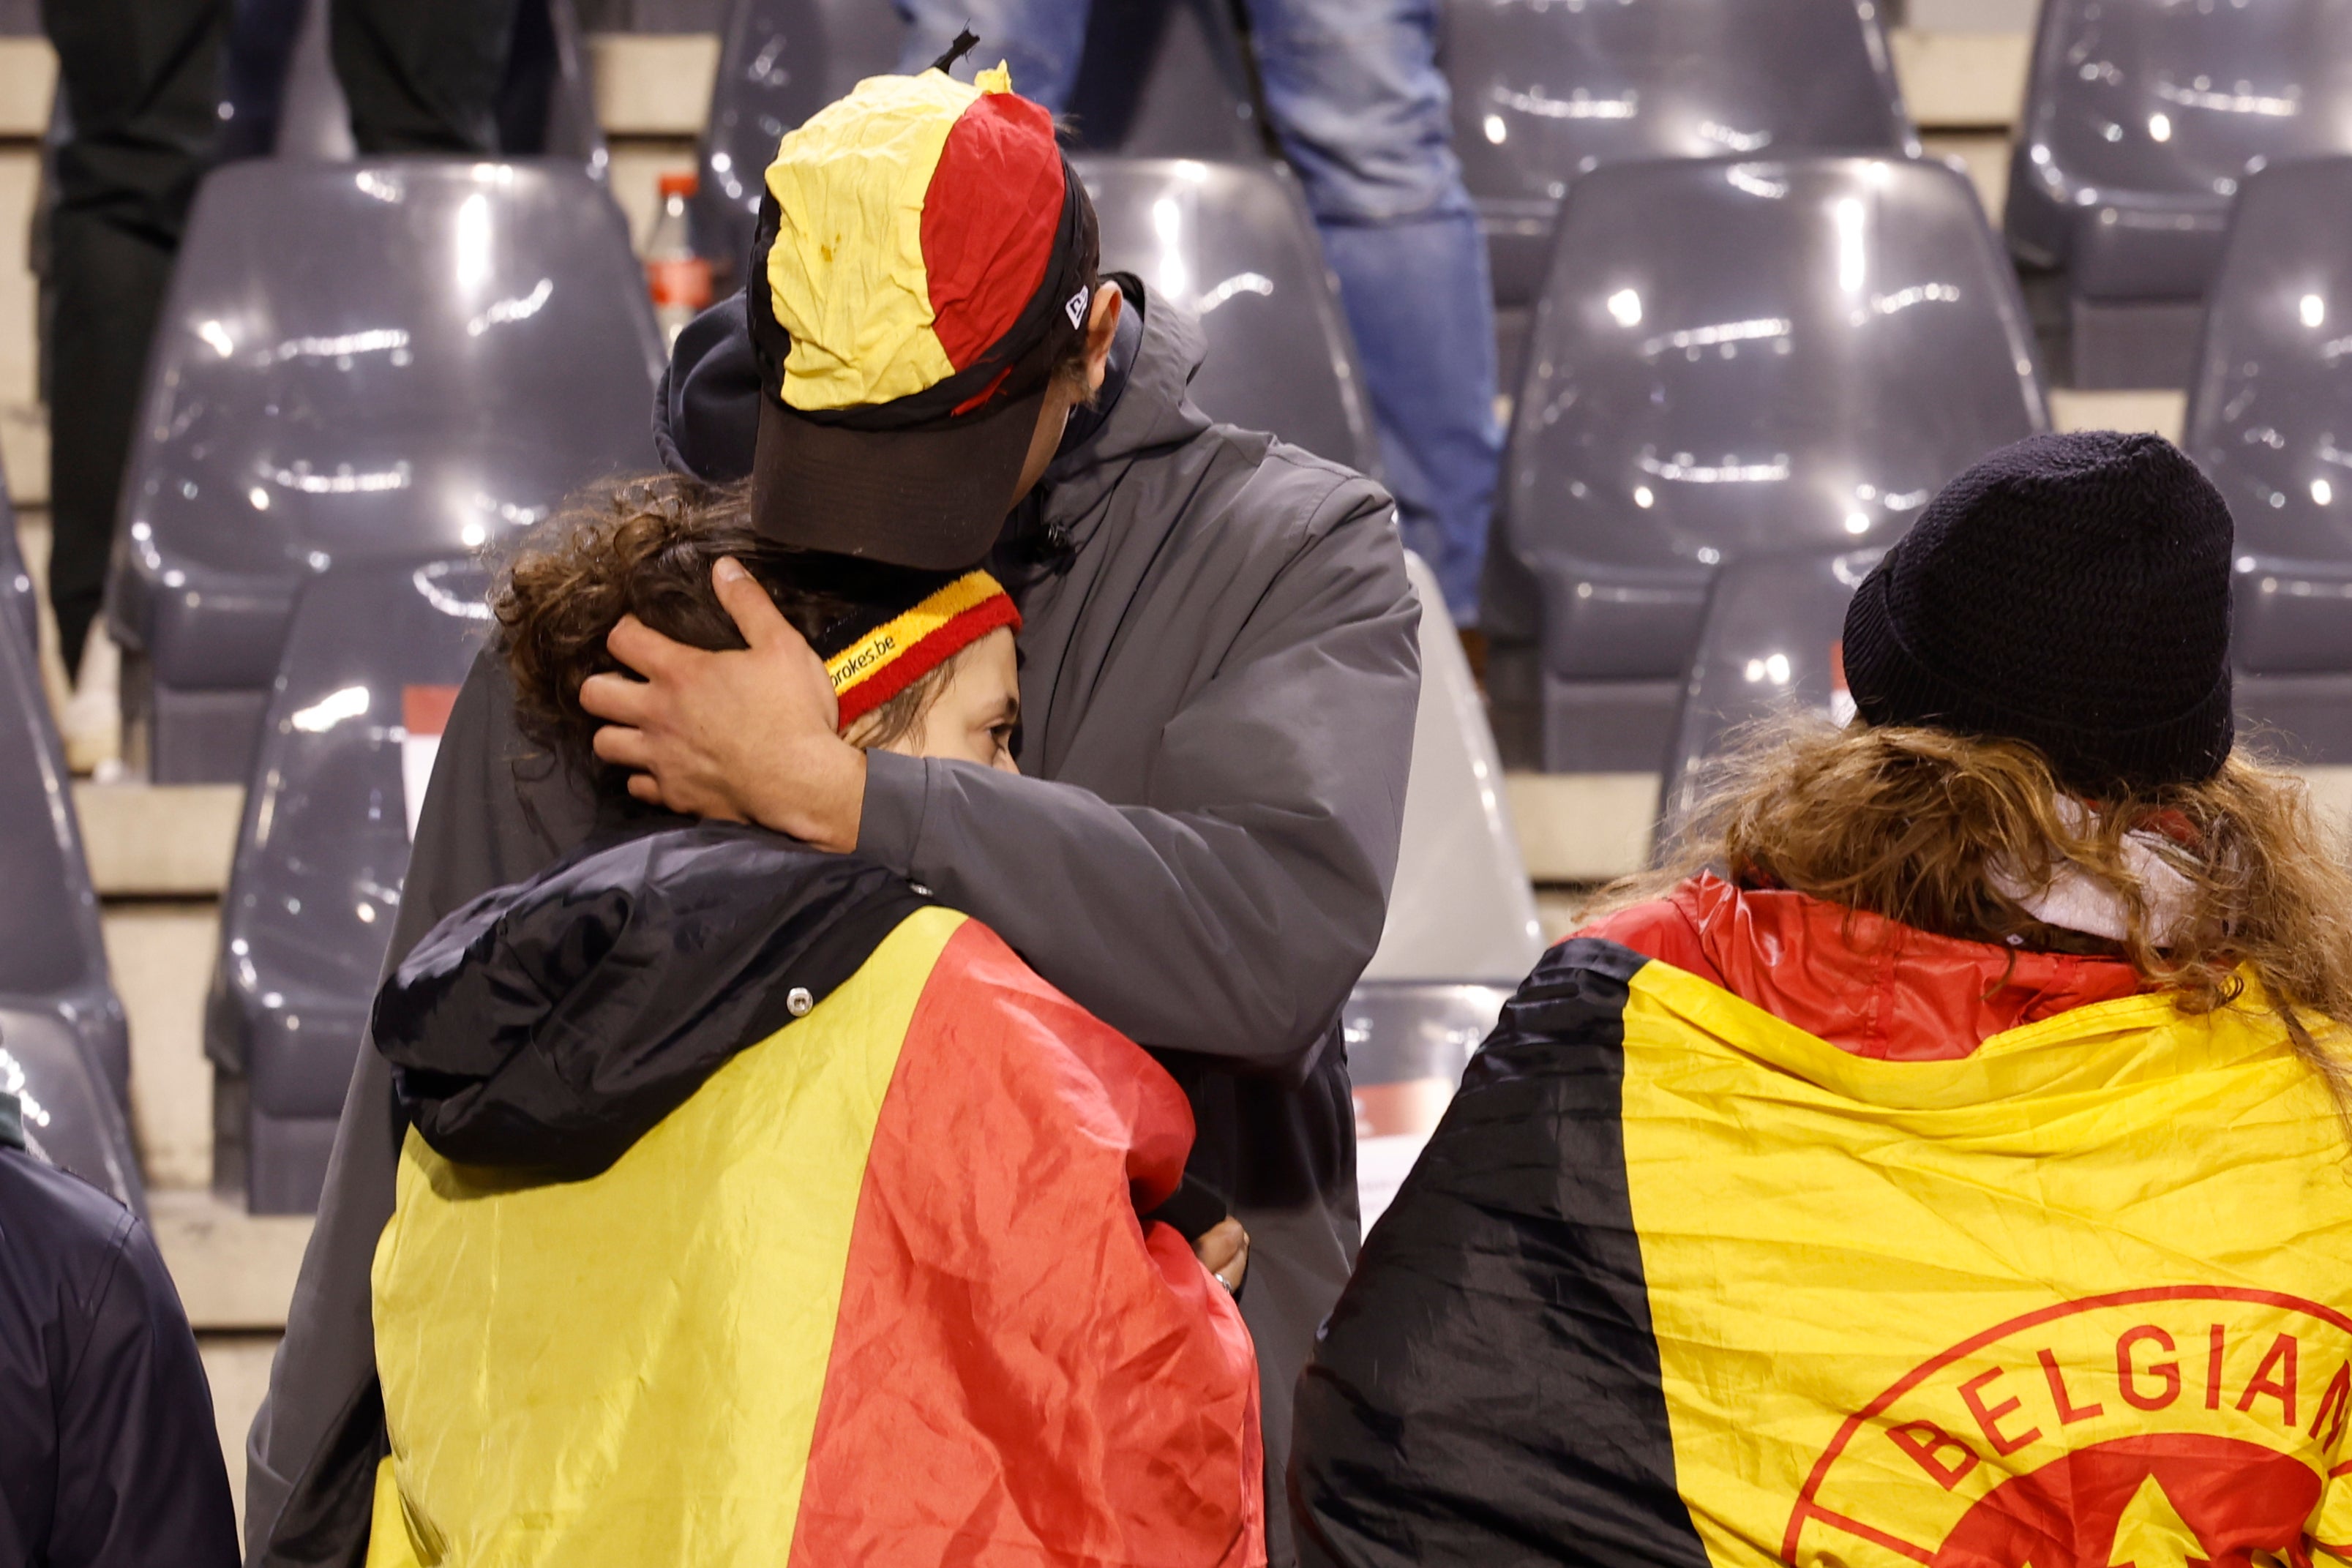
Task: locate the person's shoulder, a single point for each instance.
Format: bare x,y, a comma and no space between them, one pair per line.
55,1227
1659,928
1289,492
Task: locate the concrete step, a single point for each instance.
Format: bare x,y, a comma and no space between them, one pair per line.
159,841
1962,82
2159,412
1582,827
649,84
234,1270
28,81
161,953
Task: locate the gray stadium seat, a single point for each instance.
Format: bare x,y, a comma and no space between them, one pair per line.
15,582
2140,121
396,358
1770,645
373,653
1462,930
62,1040
1163,79
72,1118
2270,420
1731,357
546,106
1545,92
1235,242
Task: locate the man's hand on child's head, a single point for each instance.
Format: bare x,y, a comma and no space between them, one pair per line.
741,736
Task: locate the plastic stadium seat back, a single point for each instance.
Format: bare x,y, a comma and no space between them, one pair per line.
546,106
1235,242
2142,119
1734,357
52,961
2270,421
2270,416
1544,90
1462,930
1770,645
400,358
1160,79
16,582
374,654
780,62
72,1118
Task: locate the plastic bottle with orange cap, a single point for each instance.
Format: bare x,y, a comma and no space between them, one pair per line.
677,277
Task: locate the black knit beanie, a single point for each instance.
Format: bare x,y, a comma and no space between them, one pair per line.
2072,592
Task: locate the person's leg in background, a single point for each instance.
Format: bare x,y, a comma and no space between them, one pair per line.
422,76
141,81
1354,93
1042,40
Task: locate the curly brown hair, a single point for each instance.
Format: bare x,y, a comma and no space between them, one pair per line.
647,550
1914,824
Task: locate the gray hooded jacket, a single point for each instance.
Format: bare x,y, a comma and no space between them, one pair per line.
1218,675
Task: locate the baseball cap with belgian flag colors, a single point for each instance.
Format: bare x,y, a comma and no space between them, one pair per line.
924,259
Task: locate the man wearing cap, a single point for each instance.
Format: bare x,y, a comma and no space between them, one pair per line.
1219,677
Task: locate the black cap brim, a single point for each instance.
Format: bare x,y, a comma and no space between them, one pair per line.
934,497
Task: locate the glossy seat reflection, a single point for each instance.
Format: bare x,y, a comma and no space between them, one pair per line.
398,358
1235,246
374,657
63,1046
1769,645
1732,356
16,598
2270,421
2141,121
1544,90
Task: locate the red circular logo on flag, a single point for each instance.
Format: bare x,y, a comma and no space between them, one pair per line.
2175,1427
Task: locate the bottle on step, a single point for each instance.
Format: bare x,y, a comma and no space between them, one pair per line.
679,279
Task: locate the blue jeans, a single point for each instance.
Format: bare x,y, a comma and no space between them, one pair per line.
1355,95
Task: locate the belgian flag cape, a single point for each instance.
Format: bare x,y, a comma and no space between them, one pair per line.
1677,1282
779,1218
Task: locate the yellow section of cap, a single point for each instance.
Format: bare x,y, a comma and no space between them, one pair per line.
846,273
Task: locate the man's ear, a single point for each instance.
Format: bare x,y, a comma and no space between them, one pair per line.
1102,326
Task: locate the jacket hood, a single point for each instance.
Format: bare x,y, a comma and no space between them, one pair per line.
1860,981
1148,409
706,406
551,1024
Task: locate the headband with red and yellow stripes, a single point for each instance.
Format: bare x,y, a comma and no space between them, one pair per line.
901,651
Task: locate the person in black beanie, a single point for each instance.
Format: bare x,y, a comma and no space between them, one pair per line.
2072,592
1845,1188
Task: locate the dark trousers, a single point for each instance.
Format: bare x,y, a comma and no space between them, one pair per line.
141,84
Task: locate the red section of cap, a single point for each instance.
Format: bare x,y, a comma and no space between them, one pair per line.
685,184
989,219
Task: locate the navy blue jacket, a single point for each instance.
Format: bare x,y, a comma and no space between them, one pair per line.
109,1458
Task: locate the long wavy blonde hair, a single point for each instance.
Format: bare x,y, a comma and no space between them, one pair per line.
1919,825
